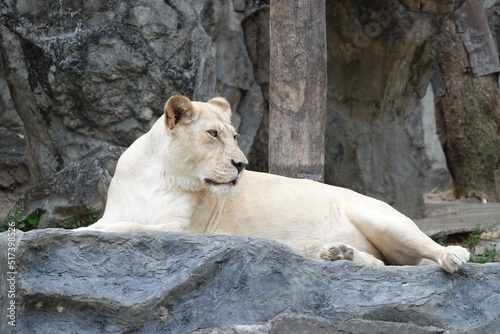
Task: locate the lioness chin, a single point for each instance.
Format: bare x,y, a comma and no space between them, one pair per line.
186,174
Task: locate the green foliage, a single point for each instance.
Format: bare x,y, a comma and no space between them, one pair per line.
22,222
470,241
83,220
441,240
488,256
80,217
90,219
475,237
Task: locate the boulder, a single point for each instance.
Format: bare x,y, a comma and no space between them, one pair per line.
151,282
74,196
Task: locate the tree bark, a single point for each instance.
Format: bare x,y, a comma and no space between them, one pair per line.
297,88
468,121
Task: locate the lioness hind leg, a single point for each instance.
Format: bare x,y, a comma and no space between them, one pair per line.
401,242
339,251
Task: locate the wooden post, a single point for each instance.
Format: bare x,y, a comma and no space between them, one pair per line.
297,88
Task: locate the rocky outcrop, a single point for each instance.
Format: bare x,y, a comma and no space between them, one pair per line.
150,282
84,75
72,197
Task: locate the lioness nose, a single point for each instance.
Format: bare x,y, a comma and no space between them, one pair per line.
239,165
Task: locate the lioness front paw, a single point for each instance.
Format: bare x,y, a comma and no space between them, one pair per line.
335,252
453,257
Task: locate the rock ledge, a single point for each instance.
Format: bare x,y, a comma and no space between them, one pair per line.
151,282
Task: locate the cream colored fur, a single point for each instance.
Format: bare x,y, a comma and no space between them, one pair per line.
183,175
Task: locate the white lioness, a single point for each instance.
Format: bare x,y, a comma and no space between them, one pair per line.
186,174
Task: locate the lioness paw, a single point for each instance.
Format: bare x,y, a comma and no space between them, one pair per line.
338,251
453,257
334,252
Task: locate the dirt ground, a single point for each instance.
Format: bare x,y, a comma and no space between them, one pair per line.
447,215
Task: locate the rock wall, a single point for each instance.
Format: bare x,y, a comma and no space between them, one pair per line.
14,171
83,75
150,282
381,60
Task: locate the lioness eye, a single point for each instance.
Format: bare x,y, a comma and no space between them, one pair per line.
236,136
213,133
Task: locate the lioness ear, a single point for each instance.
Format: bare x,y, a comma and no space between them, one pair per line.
222,104
178,108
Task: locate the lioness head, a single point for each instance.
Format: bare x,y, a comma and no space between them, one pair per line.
204,145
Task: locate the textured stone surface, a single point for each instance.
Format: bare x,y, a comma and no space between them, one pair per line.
435,174
81,75
152,282
381,64
8,114
14,170
76,193
296,324
256,27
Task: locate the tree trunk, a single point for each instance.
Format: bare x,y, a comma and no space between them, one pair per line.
468,121
297,88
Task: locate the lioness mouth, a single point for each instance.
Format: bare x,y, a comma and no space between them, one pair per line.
233,182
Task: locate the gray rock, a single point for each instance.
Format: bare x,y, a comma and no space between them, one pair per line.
73,195
233,71
81,75
305,325
488,248
150,282
296,324
256,27
435,174
14,171
8,114
238,329
375,143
